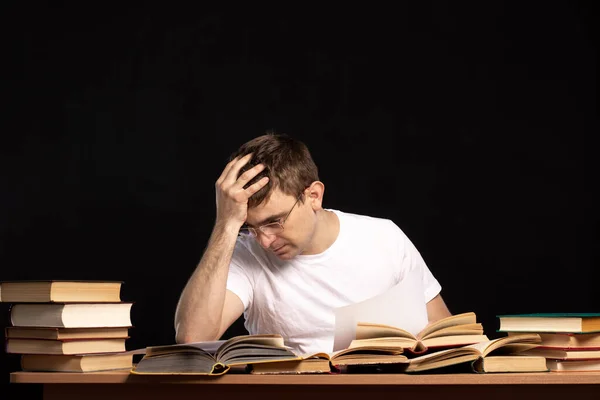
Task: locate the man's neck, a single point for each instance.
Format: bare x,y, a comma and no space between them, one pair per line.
327,232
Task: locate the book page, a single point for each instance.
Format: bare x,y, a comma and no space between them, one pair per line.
468,318
484,348
469,329
402,306
209,346
368,330
271,340
202,347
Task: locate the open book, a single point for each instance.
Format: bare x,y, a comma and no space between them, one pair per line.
213,358
378,344
508,345
454,331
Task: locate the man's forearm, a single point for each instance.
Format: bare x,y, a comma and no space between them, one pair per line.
200,307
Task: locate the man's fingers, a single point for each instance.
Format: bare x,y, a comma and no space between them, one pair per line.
226,169
255,187
233,172
249,175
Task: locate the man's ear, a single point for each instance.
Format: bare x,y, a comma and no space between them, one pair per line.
315,194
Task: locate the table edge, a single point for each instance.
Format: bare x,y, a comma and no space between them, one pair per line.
123,377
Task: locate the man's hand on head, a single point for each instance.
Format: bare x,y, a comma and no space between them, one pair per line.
231,196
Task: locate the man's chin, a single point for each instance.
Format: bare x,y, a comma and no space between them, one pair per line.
285,254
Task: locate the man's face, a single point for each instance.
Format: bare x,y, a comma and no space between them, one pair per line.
298,227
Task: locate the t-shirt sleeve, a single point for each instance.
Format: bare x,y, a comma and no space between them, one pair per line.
411,261
239,278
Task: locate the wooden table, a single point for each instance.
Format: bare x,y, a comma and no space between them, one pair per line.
117,385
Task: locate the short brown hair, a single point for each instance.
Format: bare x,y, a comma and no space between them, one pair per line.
287,161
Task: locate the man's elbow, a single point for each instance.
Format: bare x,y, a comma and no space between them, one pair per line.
437,309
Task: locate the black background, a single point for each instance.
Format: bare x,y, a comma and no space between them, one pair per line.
470,125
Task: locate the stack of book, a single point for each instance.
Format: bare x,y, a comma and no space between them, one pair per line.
569,341
67,326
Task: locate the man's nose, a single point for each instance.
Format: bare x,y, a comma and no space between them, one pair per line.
265,240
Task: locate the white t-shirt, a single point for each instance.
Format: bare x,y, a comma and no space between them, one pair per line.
296,298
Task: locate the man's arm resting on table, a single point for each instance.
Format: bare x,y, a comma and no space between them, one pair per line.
205,304
232,310
206,308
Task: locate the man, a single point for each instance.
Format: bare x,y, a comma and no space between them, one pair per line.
281,259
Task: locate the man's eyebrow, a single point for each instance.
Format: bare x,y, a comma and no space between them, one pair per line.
272,218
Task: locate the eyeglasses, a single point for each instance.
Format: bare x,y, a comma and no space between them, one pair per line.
272,228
